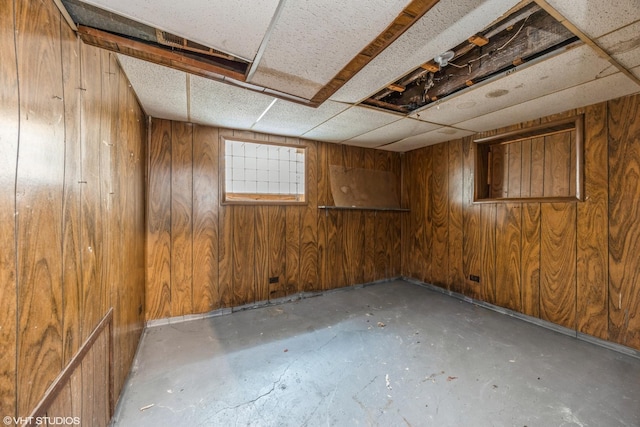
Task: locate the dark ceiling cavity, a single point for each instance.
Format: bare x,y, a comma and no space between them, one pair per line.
94,17
525,35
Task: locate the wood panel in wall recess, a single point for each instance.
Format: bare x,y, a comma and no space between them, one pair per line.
455,280
40,178
158,295
537,168
309,280
438,189
592,244
488,247
205,219
71,269
8,155
471,249
556,165
93,307
515,169
508,253
181,218
530,264
558,263
499,159
624,220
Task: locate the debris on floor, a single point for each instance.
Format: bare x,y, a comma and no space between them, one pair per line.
388,382
381,325
144,408
451,378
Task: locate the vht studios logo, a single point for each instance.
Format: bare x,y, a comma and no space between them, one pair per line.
41,421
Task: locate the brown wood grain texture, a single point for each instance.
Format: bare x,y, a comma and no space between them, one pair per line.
309,278
525,184
88,368
323,216
72,270
508,254
293,232
40,177
624,220
530,264
337,276
515,169
354,237
277,250
592,244
407,219
558,263
499,156
205,219
537,168
158,293
90,195
182,219
225,238
243,249
488,256
471,249
557,159
262,246
108,163
438,188
424,261
419,252
370,232
456,280
8,155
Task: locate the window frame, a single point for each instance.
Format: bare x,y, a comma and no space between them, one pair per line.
230,198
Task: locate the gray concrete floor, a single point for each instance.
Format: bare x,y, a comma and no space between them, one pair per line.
391,354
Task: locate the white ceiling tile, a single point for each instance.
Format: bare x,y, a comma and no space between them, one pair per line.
571,68
219,104
595,91
446,25
312,41
232,26
291,119
441,134
162,91
623,45
395,131
352,122
597,17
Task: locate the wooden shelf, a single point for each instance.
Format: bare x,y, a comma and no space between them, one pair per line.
362,208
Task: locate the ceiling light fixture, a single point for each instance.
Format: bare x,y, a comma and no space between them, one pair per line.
443,59
265,110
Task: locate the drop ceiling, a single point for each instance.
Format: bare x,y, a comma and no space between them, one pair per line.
294,48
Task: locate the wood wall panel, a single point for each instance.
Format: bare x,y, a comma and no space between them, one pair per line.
508,253
558,263
592,262
9,119
530,264
205,219
158,302
624,220
71,269
181,218
39,177
93,306
56,210
455,281
556,165
471,253
439,204
301,248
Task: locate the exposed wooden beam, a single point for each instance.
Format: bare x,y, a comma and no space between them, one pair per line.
409,15
155,54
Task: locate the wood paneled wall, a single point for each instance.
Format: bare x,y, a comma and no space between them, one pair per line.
574,264
71,206
202,255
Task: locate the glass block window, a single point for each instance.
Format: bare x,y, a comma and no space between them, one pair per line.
263,172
